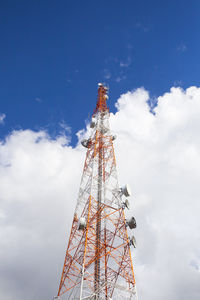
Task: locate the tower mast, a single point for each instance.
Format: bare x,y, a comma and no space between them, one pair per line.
98,262
101,107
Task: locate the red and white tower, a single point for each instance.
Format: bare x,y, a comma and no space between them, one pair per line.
98,262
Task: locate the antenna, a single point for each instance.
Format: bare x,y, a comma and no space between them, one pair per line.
98,263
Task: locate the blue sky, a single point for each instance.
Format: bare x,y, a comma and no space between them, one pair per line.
53,54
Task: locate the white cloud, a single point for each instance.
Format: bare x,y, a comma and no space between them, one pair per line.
162,159
37,99
126,63
182,47
65,128
143,27
2,118
106,74
38,190
178,83
158,155
120,78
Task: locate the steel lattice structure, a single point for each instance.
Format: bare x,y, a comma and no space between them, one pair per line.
98,262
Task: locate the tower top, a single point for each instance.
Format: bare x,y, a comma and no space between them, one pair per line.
102,98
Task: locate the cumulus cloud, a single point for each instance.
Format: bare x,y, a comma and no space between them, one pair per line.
157,154
39,184
2,118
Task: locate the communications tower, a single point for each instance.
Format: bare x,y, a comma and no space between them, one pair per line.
98,262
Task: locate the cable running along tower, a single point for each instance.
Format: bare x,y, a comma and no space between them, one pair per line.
98,262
